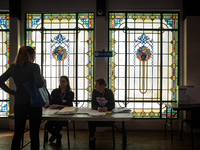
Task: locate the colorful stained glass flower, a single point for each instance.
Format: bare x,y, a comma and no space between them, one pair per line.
143,53
59,53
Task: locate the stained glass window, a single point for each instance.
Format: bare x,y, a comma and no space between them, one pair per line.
4,60
64,46
143,71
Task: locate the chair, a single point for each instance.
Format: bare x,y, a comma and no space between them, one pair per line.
109,124
67,125
194,122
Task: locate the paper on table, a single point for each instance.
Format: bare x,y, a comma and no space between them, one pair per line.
121,110
90,112
83,110
96,113
49,111
68,110
122,115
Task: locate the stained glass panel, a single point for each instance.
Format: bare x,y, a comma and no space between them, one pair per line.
116,20
147,57
60,21
170,20
86,20
33,21
4,60
143,20
63,46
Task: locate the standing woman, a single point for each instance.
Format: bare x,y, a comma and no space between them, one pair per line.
20,71
61,97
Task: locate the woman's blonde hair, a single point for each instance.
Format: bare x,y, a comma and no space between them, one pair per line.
23,55
101,81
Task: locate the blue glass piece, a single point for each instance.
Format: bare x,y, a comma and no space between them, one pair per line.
3,22
169,21
117,21
34,22
4,108
85,22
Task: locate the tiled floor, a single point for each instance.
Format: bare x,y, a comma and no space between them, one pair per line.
136,140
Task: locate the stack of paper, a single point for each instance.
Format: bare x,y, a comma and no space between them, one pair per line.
122,115
96,113
90,112
121,110
49,111
68,110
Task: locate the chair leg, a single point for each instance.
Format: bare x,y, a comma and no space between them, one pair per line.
113,132
74,128
68,136
45,137
181,130
22,141
192,138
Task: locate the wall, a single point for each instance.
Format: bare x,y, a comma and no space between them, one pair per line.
101,35
4,5
144,5
193,52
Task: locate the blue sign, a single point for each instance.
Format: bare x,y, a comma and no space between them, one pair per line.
103,54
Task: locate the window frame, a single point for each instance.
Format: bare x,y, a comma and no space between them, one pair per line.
161,49
7,66
76,101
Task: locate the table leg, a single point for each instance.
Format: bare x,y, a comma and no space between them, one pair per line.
124,140
169,124
68,135
166,119
171,127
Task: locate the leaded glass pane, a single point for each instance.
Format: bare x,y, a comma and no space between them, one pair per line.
33,38
170,20
60,21
86,20
4,60
143,20
64,46
33,21
116,20
4,21
146,56
170,68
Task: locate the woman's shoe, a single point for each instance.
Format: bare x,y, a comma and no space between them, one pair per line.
52,138
92,143
58,140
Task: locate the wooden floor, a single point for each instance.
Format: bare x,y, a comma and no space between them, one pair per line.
136,140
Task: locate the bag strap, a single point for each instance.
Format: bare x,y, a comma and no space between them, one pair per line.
32,70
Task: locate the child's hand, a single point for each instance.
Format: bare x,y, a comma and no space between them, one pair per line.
100,109
104,109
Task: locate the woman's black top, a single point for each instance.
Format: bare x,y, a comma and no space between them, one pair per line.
20,75
62,99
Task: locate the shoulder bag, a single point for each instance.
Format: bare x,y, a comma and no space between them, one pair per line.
39,97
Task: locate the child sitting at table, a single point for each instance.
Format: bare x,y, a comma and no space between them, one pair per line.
102,100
